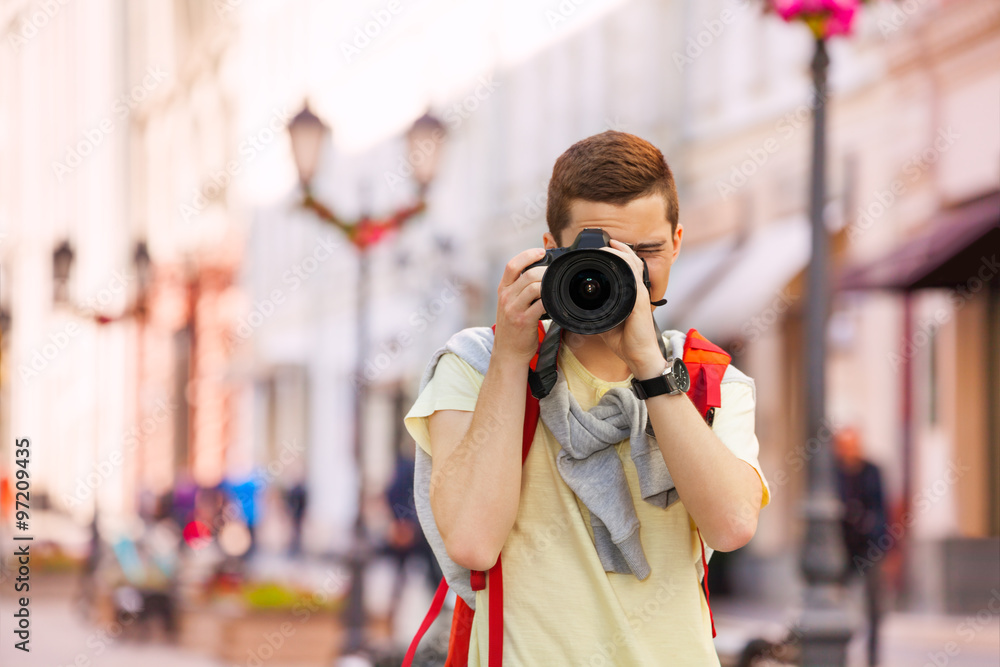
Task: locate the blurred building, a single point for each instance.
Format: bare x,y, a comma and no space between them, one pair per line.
117,250
913,144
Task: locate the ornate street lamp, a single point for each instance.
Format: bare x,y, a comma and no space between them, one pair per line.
424,140
824,627
62,263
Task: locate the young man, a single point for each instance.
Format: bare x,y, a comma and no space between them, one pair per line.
564,602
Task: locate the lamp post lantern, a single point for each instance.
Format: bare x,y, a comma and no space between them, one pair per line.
424,140
307,132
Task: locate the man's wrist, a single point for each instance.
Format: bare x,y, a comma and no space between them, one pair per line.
508,362
648,365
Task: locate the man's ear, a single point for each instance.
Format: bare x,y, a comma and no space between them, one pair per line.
677,242
549,241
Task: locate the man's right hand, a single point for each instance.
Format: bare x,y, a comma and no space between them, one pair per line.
519,307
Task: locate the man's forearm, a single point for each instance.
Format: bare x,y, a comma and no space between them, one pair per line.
721,492
476,488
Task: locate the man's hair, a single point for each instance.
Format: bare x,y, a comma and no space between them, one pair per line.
610,168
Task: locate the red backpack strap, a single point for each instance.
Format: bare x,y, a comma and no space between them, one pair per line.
704,583
432,613
461,633
706,364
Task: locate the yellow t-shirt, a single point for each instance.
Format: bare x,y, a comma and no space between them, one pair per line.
560,606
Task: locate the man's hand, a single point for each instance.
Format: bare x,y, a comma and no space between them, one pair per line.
519,307
634,340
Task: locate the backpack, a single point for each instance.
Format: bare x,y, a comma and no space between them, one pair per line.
706,364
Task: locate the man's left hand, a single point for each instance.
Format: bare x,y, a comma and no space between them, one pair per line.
634,340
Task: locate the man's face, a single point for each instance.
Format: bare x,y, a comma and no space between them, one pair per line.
847,445
642,222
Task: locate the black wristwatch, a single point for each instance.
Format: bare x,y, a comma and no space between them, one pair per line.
674,380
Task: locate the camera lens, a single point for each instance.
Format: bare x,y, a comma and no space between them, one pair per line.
589,289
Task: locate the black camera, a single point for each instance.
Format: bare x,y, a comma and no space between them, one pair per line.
586,290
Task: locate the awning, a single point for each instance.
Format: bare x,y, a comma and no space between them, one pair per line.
958,243
718,288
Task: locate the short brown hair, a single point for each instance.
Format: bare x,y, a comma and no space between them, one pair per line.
611,168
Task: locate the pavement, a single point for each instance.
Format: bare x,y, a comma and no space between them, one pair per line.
61,637
907,639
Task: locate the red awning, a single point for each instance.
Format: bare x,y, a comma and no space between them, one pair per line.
958,243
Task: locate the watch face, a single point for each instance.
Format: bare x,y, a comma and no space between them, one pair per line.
680,373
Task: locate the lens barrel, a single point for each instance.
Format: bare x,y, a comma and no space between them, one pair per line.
588,291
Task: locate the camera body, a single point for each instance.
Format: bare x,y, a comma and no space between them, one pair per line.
585,289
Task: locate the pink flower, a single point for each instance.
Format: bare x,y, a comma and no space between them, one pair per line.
826,18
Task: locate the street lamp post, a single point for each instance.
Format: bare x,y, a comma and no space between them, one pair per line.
824,628
424,139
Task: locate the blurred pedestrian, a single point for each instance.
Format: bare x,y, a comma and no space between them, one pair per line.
864,525
296,499
405,539
245,494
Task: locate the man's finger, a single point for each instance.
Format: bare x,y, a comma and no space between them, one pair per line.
630,257
520,261
527,295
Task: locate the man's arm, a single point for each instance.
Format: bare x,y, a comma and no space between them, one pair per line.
721,492
476,457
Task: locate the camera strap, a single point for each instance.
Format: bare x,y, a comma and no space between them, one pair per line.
542,378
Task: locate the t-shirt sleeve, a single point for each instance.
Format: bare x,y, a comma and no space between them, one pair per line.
734,424
454,386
